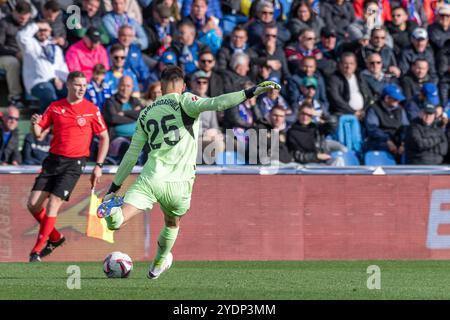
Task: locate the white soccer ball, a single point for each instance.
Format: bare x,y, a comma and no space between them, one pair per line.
117,265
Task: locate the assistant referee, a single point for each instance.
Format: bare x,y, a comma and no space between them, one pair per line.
75,121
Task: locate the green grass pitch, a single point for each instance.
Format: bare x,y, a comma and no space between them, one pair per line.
259,280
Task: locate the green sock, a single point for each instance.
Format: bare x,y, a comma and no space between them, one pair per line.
166,241
115,220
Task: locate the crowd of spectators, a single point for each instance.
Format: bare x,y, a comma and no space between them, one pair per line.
384,64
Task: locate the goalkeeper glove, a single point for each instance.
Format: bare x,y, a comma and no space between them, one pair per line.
261,88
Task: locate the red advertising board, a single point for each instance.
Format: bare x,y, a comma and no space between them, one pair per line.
257,217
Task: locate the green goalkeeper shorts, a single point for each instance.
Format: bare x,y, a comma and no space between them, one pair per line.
174,197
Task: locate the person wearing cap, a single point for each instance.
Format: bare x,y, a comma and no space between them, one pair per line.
86,53
89,17
374,75
267,52
328,46
308,91
160,29
427,95
44,67
439,31
209,126
426,142
118,17
307,68
419,49
413,81
302,17
386,122
400,28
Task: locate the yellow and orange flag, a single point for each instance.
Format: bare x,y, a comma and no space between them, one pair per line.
96,227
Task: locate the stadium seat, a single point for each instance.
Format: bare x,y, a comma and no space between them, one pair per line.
349,133
379,158
345,158
229,158
228,22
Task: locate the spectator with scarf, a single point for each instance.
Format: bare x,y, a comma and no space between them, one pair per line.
419,50
236,43
160,30
207,27
44,68
187,48
98,91
134,57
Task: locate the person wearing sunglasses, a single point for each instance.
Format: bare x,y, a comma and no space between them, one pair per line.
9,137
85,54
400,28
306,139
386,122
264,16
210,132
305,46
207,64
118,70
267,52
374,75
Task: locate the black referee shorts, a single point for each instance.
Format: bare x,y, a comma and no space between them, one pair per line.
59,175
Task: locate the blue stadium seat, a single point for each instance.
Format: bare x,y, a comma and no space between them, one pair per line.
348,158
349,133
228,22
229,158
379,158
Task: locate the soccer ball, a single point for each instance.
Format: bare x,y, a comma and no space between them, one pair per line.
117,265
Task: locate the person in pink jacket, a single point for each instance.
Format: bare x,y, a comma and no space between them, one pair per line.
86,53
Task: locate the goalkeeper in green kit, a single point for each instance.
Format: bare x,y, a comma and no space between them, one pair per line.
170,125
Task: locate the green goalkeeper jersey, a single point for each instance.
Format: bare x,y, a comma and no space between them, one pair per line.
170,125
